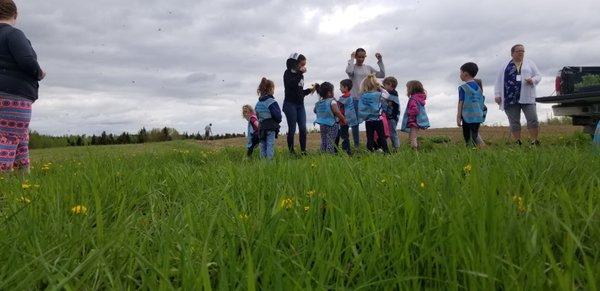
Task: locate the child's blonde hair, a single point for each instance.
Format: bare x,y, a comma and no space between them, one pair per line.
266,87
247,109
414,87
370,84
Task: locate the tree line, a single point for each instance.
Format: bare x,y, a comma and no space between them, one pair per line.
37,140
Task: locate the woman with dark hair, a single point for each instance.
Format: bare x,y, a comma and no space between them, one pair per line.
19,76
293,104
515,93
357,71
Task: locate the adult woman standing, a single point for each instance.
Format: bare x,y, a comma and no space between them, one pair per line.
19,76
515,92
293,104
357,71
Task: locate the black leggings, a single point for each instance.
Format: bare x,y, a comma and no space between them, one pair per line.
470,132
372,127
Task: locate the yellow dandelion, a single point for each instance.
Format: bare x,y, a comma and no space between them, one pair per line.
243,216
79,209
520,202
287,203
24,200
306,208
423,185
25,185
468,169
311,193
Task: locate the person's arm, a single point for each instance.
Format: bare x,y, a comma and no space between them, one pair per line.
381,72
536,78
459,113
24,55
350,66
338,113
461,102
499,86
275,112
255,124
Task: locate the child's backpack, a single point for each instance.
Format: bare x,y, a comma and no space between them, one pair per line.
473,105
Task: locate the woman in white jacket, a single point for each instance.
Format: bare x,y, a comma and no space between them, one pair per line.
515,92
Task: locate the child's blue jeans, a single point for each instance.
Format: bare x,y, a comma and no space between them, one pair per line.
267,146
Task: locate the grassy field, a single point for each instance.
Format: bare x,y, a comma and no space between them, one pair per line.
180,215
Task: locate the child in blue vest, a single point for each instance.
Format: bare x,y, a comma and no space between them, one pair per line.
470,111
253,127
415,117
369,110
347,108
392,108
328,116
269,117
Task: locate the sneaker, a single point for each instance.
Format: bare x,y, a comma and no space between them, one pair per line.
535,143
519,142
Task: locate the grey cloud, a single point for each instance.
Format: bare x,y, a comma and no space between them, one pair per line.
119,65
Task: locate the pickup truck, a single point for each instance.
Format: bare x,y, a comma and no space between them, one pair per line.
577,96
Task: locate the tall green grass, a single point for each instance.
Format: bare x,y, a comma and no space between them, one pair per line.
175,216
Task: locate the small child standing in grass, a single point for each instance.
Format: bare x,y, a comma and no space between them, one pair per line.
269,117
392,108
470,111
347,108
328,116
253,128
415,117
369,110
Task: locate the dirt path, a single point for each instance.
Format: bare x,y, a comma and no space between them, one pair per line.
490,134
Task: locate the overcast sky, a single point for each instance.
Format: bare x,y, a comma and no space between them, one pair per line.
119,65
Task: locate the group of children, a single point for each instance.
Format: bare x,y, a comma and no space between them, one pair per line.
378,107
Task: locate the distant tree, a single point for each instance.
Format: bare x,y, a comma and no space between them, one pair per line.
166,134
142,135
94,140
79,141
103,138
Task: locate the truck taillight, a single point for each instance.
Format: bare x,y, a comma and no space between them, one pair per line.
557,84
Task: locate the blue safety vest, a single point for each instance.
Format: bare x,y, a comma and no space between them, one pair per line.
262,109
369,106
422,119
349,111
472,111
324,113
388,109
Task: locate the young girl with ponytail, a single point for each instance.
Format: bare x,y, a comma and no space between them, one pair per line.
329,117
269,117
369,110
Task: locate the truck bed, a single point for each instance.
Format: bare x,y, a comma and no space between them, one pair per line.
572,99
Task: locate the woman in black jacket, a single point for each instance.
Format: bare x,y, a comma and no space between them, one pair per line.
19,76
293,104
